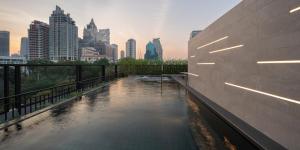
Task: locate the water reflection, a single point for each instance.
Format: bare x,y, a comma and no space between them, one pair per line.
128,114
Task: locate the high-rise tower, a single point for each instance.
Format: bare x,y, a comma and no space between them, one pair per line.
63,36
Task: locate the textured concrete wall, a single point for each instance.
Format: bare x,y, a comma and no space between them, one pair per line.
266,96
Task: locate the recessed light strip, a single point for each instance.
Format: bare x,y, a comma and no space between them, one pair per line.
294,10
221,39
209,63
225,49
264,93
192,74
280,62
193,56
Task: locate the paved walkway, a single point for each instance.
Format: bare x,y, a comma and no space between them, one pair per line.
127,115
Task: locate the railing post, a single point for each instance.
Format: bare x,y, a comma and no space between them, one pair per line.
18,87
103,73
116,71
78,77
6,89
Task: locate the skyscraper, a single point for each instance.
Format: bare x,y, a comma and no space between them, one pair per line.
24,47
90,33
114,49
104,36
131,48
151,52
4,43
122,54
63,36
38,35
158,48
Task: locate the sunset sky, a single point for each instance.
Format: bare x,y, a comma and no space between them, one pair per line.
143,20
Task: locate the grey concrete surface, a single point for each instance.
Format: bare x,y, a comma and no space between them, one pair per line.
268,32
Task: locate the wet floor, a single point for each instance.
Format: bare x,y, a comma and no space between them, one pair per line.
127,115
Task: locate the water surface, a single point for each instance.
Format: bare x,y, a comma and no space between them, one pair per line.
126,115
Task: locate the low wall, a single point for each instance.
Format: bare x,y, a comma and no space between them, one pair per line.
248,62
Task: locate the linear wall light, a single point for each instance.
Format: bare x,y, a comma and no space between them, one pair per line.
209,63
221,39
192,56
192,74
264,93
225,49
280,62
294,10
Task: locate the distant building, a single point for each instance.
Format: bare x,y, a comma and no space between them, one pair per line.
151,52
89,54
38,37
122,54
114,49
158,48
63,36
15,55
24,47
12,60
194,33
131,48
4,43
90,32
104,36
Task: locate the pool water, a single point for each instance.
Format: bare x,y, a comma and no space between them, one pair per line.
128,114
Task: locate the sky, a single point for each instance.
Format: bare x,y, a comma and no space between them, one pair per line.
143,20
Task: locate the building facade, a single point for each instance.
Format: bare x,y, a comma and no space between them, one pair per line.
90,54
131,48
122,54
104,36
158,47
4,43
114,49
90,32
247,63
12,60
24,47
151,52
194,33
63,36
38,38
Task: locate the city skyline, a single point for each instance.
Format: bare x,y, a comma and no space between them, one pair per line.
169,20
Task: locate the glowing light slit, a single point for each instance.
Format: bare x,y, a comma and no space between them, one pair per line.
264,93
192,74
221,39
295,9
193,56
208,63
225,49
280,62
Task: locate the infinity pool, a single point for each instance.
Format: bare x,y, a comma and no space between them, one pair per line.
126,115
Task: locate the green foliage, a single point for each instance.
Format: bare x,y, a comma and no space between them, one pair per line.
102,61
131,61
39,62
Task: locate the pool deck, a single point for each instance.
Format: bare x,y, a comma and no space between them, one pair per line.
126,115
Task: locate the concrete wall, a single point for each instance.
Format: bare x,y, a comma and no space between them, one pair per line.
261,30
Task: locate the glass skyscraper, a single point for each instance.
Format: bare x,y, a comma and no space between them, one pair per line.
131,48
4,43
151,52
